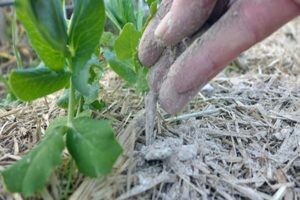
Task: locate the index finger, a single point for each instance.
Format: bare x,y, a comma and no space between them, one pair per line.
150,48
245,23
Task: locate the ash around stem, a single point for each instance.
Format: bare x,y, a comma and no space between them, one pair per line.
151,105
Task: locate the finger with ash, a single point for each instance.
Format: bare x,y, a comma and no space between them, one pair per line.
153,53
150,104
156,77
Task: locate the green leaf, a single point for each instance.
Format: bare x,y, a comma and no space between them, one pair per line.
140,15
81,79
56,123
93,95
96,105
126,44
114,21
142,83
153,10
128,11
149,2
120,12
85,32
4,80
46,28
108,39
123,69
85,113
93,146
63,100
30,84
30,174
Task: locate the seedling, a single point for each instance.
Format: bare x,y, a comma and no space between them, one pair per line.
130,19
66,54
123,57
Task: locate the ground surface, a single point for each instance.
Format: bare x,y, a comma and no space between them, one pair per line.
238,139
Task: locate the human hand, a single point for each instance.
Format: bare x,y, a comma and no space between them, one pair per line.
178,71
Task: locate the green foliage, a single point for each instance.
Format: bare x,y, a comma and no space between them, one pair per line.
124,60
96,105
46,29
14,42
63,101
120,12
126,44
81,78
133,73
149,2
9,99
69,64
85,32
30,84
140,15
108,40
152,8
93,146
91,143
31,173
69,61
122,68
142,83
5,82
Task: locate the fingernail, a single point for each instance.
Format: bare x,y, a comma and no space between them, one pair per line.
171,101
163,26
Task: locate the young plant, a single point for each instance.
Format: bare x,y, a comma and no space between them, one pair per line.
122,57
121,12
66,54
10,97
5,90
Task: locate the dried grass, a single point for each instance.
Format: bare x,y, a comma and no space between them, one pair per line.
238,139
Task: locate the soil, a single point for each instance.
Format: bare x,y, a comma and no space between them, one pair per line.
238,139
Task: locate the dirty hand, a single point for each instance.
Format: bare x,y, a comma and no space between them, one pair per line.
178,71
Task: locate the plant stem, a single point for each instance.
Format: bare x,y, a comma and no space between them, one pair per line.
140,15
71,106
70,179
14,41
4,80
79,106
